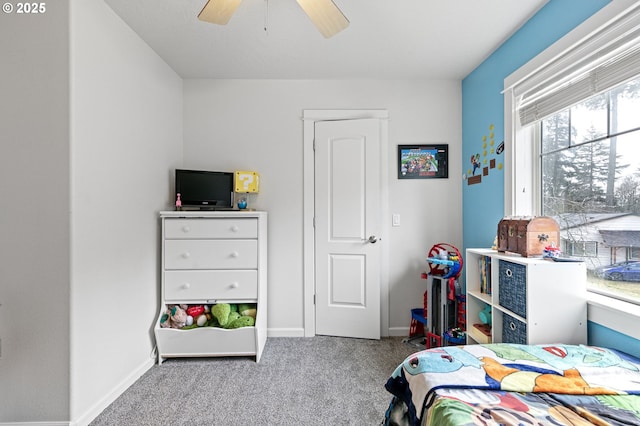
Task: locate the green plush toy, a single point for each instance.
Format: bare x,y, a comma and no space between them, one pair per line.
248,310
221,312
245,321
231,316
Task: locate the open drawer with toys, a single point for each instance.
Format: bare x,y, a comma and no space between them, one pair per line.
202,330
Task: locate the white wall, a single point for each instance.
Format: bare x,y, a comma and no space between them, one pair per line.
126,138
256,125
34,215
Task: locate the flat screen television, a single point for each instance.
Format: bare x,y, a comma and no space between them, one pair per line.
205,189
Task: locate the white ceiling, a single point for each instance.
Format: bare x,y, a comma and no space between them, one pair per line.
387,39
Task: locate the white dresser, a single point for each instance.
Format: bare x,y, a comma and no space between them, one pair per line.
207,258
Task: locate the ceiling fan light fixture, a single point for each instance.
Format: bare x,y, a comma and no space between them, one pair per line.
218,11
325,15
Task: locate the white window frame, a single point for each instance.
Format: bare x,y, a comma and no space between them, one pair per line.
521,154
521,192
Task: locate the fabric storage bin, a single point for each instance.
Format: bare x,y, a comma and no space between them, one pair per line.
513,330
512,290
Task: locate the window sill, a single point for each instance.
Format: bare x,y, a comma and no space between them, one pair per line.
623,317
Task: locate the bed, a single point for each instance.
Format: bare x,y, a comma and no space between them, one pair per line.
511,384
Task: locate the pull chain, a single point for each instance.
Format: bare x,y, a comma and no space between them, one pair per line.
266,15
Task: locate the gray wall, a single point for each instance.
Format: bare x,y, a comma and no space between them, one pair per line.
90,128
126,138
256,125
34,215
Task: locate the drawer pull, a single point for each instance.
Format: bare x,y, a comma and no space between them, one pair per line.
234,228
508,272
234,285
186,228
235,254
186,286
186,255
512,326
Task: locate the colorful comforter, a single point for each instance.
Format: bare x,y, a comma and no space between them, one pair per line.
515,385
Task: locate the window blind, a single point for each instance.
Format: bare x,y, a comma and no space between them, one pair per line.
606,59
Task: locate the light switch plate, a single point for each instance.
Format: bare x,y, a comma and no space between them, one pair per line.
395,219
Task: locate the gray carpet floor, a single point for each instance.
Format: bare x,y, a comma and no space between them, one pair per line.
299,381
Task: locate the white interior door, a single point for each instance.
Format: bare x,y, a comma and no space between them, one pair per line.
347,223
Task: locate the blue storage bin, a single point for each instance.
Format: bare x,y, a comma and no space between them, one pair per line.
512,292
513,330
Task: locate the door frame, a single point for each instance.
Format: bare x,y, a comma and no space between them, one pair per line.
309,117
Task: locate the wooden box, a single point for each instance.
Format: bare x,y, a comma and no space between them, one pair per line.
527,236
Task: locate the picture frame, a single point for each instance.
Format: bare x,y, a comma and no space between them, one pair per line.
423,161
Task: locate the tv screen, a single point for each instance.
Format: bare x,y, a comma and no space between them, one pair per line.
205,189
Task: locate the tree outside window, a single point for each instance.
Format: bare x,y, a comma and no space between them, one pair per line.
590,182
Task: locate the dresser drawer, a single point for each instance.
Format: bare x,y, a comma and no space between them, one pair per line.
211,254
206,341
210,285
179,228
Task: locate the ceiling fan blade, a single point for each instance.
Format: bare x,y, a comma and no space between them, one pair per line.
218,11
325,15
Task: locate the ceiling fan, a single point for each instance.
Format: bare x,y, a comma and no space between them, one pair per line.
324,14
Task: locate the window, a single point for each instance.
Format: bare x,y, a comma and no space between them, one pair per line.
579,248
590,182
575,123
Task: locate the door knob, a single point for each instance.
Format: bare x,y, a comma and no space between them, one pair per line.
372,239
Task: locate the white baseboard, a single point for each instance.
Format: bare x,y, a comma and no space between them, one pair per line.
299,332
285,332
399,331
93,412
35,424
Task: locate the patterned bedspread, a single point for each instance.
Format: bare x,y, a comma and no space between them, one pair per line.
516,385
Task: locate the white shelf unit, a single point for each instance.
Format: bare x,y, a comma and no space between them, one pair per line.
213,257
532,300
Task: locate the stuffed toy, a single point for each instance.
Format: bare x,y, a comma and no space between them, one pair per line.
234,316
174,317
243,321
221,312
248,310
223,315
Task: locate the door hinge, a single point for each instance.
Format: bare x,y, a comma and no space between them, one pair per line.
314,221
314,299
314,144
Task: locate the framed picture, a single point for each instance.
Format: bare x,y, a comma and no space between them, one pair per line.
424,161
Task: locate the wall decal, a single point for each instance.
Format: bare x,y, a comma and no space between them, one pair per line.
484,161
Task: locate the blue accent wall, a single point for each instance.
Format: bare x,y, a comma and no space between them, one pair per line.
483,112
483,130
600,335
